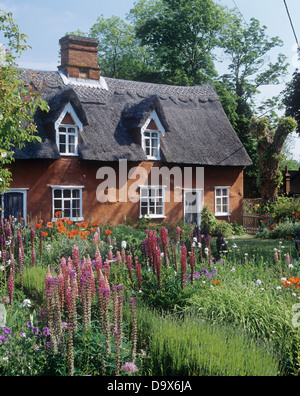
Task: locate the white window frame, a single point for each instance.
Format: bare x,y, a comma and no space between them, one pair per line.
62,188
67,143
152,215
225,196
78,127
160,132
16,190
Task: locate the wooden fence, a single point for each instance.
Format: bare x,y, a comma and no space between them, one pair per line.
251,223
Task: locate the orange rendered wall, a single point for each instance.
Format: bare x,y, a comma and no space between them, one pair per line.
39,175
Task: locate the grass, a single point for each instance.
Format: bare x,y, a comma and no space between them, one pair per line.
192,347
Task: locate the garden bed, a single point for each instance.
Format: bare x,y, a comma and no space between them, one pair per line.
91,299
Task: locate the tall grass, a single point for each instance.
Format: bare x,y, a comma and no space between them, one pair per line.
191,347
263,314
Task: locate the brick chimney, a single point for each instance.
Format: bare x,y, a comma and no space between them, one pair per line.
79,57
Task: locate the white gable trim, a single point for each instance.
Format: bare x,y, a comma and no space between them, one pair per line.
68,109
154,116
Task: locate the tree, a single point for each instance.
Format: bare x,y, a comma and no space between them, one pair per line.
120,53
18,101
292,98
247,49
270,144
181,35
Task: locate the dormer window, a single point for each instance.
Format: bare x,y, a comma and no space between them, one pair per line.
67,127
151,136
68,140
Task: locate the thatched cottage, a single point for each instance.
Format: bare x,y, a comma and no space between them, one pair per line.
104,136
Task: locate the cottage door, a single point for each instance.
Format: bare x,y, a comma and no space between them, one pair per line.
192,207
13,204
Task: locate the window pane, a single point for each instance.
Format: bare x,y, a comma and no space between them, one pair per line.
144,192
155,143
144,211
67,213
58,204
219,207
147,134
224,192
62,129
57,193
62,138
72,148
159,210
147,142
155,152
67,193
147,151
218,192
75,213
62,148
67,204
71,139
151,209
76,193
144,202
154,134
76,203
71,130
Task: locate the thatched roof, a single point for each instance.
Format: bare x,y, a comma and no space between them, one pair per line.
197,129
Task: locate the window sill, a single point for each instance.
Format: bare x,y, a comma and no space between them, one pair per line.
222,214
54,220
153,216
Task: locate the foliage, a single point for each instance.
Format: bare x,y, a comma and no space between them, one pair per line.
189,346
19,101
292,98
120,53
269,147
181,35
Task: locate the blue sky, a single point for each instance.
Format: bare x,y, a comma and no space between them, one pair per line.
46,22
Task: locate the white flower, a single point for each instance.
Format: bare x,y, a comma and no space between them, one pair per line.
280,242
5,359
206,251
290,266
283,279
194,244
2,268
278,288
194,239
232,269
234,246
199,245
232,237
4,154
258,282
123,245
246,254
26,303
294,294
275,250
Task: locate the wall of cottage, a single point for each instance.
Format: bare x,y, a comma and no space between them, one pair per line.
38,176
